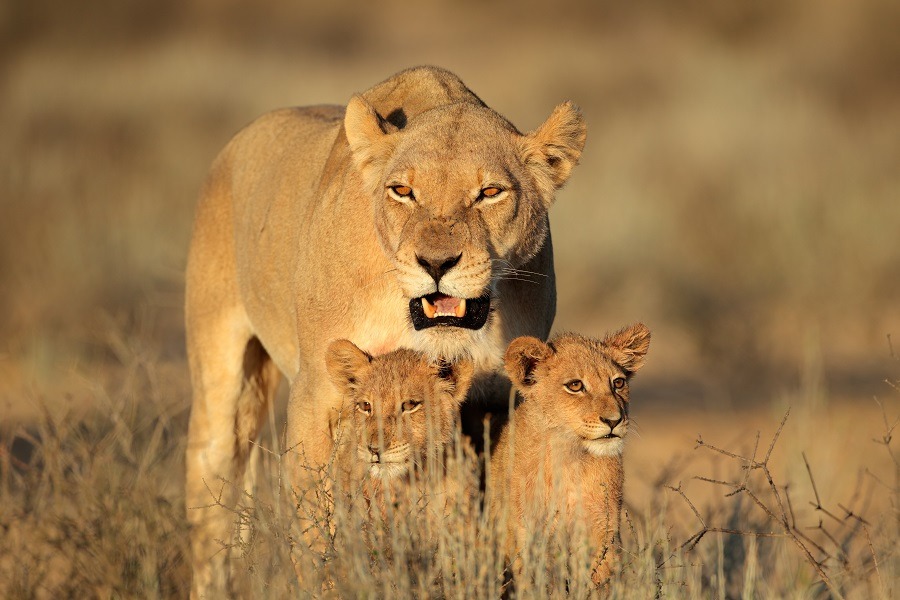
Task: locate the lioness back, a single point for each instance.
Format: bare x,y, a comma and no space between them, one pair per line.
256,217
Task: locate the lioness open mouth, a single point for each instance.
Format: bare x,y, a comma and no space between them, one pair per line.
441,309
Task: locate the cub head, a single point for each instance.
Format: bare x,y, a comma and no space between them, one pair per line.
402,403
459,197
581,384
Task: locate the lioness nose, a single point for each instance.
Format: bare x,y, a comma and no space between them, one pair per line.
374,451
612,423
437,267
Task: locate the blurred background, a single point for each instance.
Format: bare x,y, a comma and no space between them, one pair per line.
739,192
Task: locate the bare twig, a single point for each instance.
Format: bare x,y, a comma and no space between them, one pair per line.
873,554
818,503
782,513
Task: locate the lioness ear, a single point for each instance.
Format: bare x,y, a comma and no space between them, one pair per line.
553,149
366,132
458,374
522,357
346,364
629,346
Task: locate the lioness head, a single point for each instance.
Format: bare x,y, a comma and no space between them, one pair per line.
402,403
459,196
581,384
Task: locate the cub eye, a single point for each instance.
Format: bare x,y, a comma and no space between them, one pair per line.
489,192
619,383
411,406
401,192
575,386
364,407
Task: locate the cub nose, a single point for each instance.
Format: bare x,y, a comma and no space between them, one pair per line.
374,451
611,422
437,267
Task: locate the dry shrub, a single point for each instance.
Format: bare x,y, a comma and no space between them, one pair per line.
429,539
91,506
91,491
763,537
88,507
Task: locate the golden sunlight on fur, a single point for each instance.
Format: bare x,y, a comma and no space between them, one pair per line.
398,408
394,222
559,461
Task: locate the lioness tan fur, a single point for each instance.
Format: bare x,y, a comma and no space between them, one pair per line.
560,457
321,223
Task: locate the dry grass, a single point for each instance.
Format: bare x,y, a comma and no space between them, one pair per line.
92,502
738,193
92,506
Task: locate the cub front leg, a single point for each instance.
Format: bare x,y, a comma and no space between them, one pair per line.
606,564
607,542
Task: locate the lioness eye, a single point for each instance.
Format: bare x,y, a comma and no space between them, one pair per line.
575,386
489,192
364,407
411,406
619,383
403,191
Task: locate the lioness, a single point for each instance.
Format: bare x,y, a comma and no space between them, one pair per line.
561,455
415,217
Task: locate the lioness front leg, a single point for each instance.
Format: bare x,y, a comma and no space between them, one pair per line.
212,465
313,408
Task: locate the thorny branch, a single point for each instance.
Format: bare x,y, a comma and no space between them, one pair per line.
781,513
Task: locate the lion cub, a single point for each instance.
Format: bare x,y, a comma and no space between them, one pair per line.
398,408
562,456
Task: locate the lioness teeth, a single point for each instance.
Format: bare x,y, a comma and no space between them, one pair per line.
440,309
461,308
429,308
444,306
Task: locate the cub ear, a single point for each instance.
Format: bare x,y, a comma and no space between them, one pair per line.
366,132
630,345
458,374
522,357
346,365
553,149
